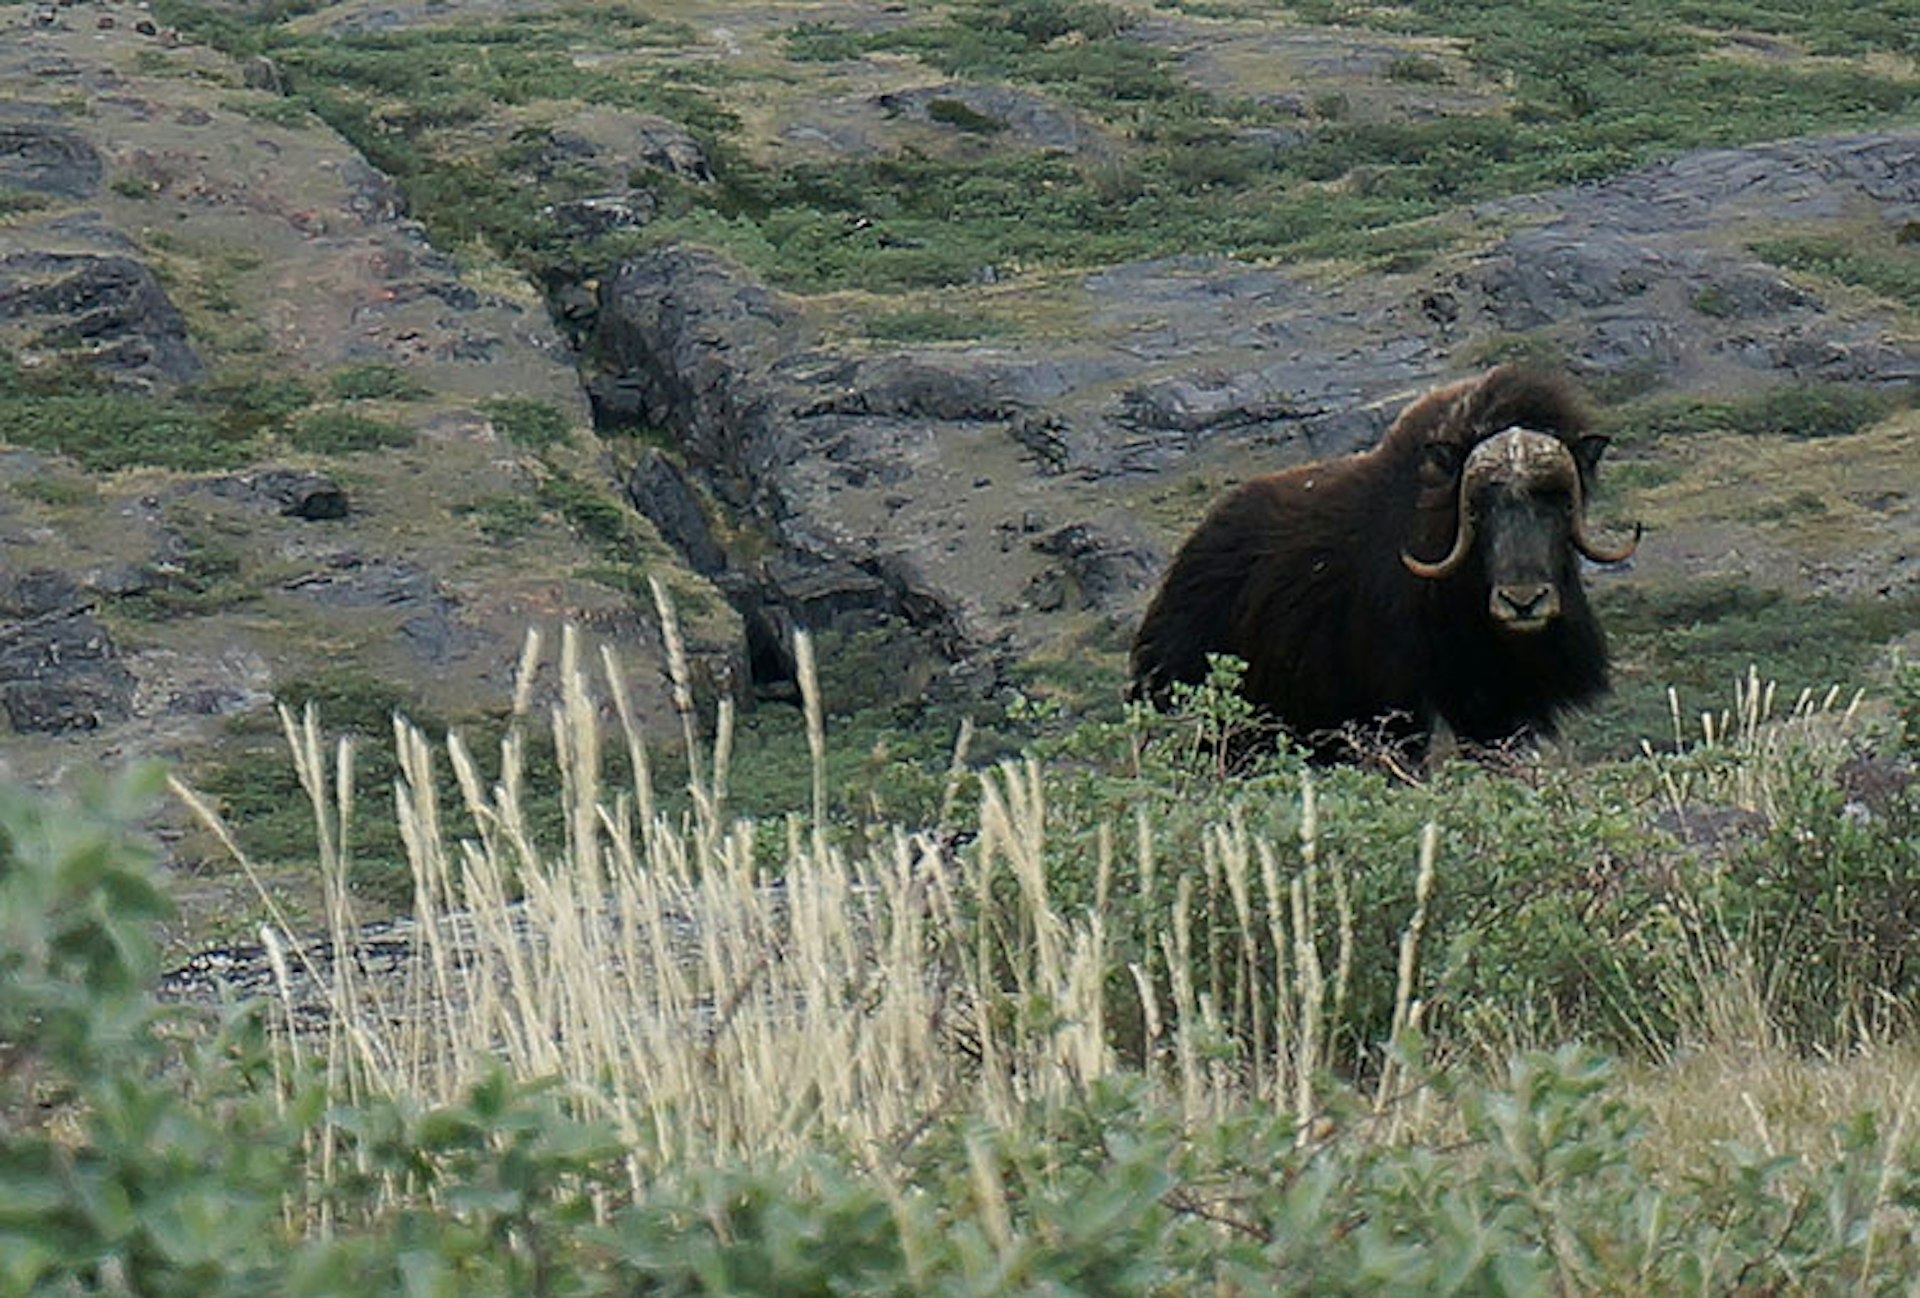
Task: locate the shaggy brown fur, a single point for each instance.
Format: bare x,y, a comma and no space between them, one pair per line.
1301,575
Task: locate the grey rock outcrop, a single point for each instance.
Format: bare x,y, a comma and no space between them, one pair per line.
59,670
41,157
293,493
107,308
1646,272
153,181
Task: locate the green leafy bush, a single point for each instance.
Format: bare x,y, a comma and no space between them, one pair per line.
1906,708
182,1155
161,1187
1829,899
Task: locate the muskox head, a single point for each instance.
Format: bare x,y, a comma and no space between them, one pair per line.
1514,505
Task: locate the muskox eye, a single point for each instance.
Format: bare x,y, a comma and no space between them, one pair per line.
1443,458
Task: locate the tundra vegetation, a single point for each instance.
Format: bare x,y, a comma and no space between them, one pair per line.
1100,1019
826,1008
1592,93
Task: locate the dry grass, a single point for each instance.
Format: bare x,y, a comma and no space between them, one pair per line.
715,997
1809,498
1743,751
1742,1086
716,1000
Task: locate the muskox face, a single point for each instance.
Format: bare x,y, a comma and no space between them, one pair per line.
1516,507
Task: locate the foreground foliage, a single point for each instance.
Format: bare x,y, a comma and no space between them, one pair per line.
1271,1112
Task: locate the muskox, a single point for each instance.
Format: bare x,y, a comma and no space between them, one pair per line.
1433,578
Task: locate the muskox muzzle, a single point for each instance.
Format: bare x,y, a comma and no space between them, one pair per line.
1521,501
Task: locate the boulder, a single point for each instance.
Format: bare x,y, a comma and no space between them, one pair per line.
105,308
41,157
59,669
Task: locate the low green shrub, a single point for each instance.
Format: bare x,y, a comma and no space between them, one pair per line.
1906,708
504,519
125,1166
1795,410
14,201
190,1153
107,431
956,113
341,432
818,42
1698,639
1887,270
254,786
374,383
529,422
203,574
244,405
930,326
1808,410
1829,900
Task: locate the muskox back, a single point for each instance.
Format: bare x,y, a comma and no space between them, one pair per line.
1435,577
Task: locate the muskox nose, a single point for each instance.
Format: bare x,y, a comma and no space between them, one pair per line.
1525,607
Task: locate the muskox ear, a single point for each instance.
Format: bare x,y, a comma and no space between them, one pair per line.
1587,452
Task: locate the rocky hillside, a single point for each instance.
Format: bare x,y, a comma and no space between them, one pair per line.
987,494
344,342
260,434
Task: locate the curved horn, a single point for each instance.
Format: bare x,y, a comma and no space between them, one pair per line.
1462,547
1586,545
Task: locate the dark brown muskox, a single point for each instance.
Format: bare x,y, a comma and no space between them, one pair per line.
1435,577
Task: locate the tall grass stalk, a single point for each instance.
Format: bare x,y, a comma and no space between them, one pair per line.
718,991
1745,753
714,1001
